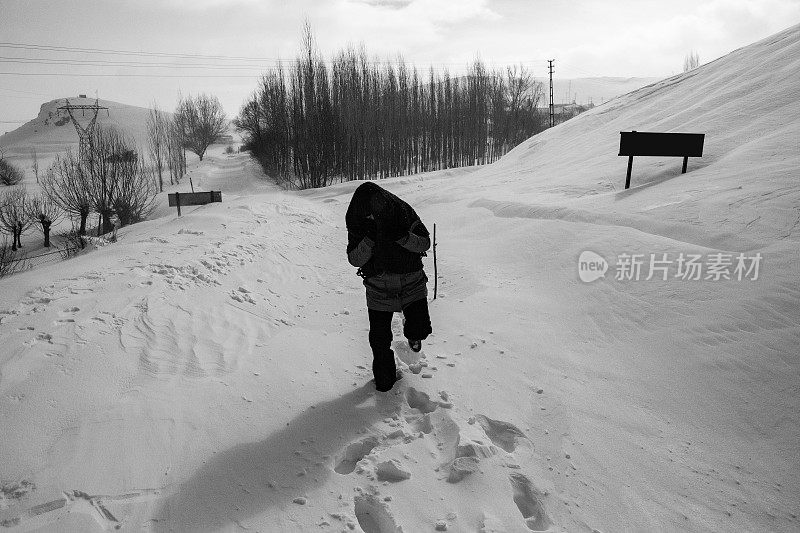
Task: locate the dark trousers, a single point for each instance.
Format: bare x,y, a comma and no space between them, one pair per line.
417,327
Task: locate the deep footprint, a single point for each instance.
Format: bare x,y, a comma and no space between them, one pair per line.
404,353
420,400
374,516
421,424
503,434
354,453
529,503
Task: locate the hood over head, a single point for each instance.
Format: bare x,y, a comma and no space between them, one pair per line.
368,196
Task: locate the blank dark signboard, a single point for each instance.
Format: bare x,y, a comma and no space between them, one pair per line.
637,143
184,199
661,144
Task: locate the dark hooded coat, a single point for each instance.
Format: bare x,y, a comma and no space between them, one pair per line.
386,240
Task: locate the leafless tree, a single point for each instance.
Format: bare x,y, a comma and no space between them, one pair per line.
71,243
6,258
203,122
524,95
157,124
120,182
68,184
9,173
311,123
691,61
108,150
135,192
42,209
35,164
176,155
14,217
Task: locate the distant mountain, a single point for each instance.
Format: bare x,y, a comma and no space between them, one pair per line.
594,90
52,132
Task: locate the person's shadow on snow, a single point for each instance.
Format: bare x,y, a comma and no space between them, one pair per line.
255,478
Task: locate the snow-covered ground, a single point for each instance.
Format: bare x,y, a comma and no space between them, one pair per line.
211,372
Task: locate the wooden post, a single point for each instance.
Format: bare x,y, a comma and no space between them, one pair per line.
630,167
685,161
178,202
435,271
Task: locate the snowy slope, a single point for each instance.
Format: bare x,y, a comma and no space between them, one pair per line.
211,373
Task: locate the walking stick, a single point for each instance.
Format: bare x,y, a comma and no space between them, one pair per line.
435,272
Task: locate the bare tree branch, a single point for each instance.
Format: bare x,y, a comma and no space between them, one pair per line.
203,122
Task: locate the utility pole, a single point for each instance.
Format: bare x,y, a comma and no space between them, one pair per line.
85,141
84,133
552,108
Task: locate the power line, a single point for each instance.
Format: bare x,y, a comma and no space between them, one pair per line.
592,74
269,64
125,64
422,71
24,97
78,75
27,46
23,92
19,97
211,66
105,51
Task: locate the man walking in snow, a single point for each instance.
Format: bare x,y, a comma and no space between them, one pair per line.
386,240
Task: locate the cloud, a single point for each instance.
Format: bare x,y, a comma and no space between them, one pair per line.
391,4
432,11
414,28
655,42
203,5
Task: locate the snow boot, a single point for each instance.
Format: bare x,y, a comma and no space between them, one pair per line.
386,387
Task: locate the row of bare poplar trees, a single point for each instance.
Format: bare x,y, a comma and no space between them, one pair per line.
312,123
165,144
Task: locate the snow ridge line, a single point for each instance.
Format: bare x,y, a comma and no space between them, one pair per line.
691,236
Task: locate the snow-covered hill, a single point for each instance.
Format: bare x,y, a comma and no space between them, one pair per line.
52,132
211,373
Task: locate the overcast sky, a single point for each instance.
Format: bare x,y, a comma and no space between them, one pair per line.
628,38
